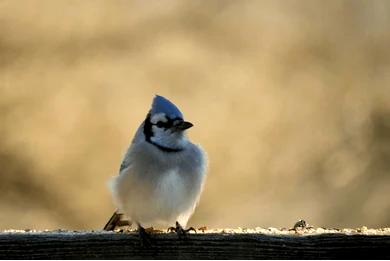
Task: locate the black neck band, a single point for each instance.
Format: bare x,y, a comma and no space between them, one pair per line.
165,149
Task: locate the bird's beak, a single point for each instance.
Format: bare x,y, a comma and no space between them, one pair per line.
183,125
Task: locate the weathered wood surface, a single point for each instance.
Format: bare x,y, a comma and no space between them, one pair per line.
110,245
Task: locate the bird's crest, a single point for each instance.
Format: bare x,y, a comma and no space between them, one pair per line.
162,105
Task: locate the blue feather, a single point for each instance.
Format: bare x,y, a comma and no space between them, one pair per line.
162,105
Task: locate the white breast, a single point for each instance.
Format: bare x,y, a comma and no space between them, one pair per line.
170,191
160,204
161,193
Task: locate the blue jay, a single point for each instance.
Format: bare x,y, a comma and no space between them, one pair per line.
162,174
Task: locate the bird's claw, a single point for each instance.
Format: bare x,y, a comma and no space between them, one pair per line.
180,231
190,229
171,229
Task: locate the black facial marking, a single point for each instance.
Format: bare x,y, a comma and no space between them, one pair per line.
148,128
167,124
148,132
161,124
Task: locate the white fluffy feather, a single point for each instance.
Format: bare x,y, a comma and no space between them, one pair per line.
157,188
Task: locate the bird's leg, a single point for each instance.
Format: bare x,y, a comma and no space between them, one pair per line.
144,237
180,231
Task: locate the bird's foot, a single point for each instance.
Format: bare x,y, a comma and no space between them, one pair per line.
180,231
144,237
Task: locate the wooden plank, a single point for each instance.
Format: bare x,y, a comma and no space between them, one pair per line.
111,245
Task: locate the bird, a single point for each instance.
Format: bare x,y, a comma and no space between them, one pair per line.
162,174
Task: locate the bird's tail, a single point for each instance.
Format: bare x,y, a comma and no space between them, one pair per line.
116,221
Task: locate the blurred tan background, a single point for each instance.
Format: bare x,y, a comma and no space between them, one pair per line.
291,100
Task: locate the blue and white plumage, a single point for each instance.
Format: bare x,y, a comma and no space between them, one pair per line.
162,174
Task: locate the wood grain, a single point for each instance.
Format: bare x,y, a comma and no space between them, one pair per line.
110,245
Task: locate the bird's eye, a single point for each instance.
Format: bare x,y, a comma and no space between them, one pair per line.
160,124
